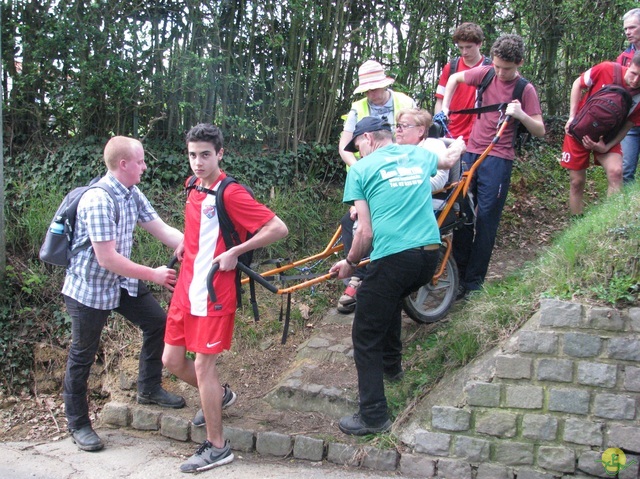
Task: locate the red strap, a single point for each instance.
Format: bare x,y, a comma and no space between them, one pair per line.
617,74
350,291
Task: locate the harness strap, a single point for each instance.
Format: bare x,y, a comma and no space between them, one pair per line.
482,109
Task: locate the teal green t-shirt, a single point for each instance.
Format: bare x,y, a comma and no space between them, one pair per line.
394,180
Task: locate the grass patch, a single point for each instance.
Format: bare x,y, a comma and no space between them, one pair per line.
598,259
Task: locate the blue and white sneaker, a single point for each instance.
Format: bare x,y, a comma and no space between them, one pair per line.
207,457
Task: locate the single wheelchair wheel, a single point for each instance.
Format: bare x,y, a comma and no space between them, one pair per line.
433,300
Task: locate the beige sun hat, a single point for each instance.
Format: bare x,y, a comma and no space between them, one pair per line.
371,76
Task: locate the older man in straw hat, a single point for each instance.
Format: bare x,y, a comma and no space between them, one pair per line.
380,102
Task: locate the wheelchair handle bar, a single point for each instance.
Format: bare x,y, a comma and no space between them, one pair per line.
245,269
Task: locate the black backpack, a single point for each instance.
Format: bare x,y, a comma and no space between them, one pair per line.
605,112
230,235
56,247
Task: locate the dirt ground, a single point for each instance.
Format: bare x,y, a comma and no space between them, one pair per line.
527,227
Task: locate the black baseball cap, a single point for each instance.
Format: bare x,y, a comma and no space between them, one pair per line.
366,125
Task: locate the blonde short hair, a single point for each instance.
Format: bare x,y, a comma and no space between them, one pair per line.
119,148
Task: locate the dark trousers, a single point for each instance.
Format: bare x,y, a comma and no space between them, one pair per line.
86,326
377,323
347,240
472,247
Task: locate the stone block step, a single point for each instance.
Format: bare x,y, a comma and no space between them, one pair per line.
329,388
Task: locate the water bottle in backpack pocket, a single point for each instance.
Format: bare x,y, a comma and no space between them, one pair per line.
55,247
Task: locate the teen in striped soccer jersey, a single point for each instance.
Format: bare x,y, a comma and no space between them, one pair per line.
194,323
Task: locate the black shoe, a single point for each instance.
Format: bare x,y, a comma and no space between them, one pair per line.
86,439
162,398
394,377
461,293
228,398
355,426
346,309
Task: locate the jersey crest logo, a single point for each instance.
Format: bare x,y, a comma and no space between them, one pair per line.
209,211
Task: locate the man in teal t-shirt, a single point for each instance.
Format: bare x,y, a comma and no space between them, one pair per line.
391,192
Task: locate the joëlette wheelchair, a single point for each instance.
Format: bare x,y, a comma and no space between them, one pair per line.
434,299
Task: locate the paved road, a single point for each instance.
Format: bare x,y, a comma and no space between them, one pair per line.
133,455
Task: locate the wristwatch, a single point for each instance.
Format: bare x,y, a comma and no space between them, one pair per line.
351,263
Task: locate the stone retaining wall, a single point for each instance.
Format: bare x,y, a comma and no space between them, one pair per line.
547,404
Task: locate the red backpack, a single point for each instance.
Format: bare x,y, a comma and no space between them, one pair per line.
605,112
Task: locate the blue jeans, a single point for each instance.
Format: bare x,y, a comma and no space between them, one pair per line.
86,327
377,324
472,247
630,151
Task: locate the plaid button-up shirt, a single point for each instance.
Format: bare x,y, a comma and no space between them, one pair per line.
86,281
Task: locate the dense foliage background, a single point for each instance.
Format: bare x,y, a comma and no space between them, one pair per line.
279,73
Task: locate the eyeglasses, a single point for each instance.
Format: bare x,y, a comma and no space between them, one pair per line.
401,126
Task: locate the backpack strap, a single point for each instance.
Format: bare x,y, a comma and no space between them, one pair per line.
231,239
478,108
486,80
99,183
617,74
229,232
517,95
519,89
453,68
191,185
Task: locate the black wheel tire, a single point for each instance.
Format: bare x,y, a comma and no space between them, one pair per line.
432,301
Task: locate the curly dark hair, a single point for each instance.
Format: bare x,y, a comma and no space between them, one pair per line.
207,133
509,48
468,32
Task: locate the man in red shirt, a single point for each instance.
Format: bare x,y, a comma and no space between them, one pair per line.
468,37
576,155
